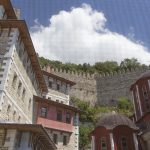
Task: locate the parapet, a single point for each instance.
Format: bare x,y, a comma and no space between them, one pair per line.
94,75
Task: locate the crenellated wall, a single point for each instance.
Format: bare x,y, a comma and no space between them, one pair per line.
111,87
104,89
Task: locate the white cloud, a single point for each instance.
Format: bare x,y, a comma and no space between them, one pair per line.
80,35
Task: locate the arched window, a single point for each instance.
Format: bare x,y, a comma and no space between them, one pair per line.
103,143
124,145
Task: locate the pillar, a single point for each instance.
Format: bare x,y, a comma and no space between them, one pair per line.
135,141
112,141
93,143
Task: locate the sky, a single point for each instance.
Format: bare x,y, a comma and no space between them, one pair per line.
90,31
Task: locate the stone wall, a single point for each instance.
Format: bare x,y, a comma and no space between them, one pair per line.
104,89
111,87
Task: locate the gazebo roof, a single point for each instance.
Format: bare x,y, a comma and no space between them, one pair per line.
112,120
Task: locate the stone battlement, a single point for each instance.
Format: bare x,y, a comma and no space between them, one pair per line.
104,89
96,74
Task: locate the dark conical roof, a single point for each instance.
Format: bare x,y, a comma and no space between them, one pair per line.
145,75
113,120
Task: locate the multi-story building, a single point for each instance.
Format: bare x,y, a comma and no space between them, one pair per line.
141,99
20,74
54,112
29,95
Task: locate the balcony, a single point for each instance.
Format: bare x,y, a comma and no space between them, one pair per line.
53,124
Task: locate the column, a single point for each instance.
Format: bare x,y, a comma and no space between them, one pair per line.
112,141
134,105
93,143
135,141
139,100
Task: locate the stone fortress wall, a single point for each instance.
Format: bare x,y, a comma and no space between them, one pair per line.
102,89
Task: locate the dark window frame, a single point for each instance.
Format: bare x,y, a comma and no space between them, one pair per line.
59,115
50,84
124,143
58,87
68,117
64,140
55,138
43,112
103,141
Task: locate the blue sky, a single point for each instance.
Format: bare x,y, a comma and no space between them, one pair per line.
129,18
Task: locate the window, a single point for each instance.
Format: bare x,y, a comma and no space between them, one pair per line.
59,115
68,117
55,138
8,109
44,97
64,140
103,143
19,87
18,139
29,105
14,115
43,112
124,143
58,87
145,94
19,119
50,84
14,80
23,93
57,100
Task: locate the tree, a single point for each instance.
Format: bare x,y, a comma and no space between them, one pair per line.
101,67
108,66
130,63
84,136
88,112
125,106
